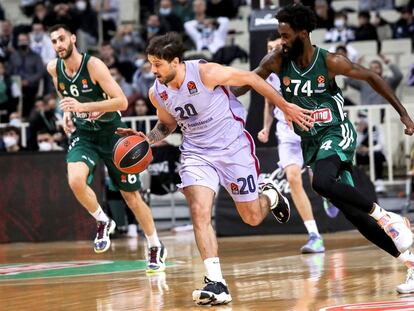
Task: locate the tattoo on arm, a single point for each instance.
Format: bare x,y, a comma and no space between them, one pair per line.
159,132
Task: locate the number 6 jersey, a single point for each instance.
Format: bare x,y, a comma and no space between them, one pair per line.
204,116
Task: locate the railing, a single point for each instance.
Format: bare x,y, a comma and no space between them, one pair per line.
393,133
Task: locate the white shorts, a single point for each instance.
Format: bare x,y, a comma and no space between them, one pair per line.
236,168
290,153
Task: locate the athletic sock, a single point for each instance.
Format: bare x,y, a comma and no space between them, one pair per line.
311,226
213,269
100,215
153,240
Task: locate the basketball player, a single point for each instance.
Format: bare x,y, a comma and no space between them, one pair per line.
215,150
291,161
90,100
307,74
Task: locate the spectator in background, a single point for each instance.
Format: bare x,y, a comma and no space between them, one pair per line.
153,28
143,79
125,86
9,94
325,15
42,119
108,56
46,142
341,32
384,29
40,43
365,30
184,10
141,109
376,5
404,27
218,8
88,24
368,95
42,15
29,66
11,139
127,43
15,119
109,13
63,14
345,50
362,150
168,18
6,39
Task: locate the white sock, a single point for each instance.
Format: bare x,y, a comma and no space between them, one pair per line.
153,240
311,226
100,215
213,269
272,195
407,258
378,212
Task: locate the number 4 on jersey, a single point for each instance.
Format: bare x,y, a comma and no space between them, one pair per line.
327,145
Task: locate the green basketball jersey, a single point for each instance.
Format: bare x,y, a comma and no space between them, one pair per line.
82,88
310,88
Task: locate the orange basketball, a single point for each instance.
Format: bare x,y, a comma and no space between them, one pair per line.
132,154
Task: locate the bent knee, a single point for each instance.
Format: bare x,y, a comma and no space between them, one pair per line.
76,182
252,219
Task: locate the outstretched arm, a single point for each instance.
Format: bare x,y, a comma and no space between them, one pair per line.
339,65
214,75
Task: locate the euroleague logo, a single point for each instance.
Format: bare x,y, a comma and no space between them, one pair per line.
192,87
126,143
164,95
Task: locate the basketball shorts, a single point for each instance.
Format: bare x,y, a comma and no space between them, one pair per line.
290,153
334,140
236,168
89,147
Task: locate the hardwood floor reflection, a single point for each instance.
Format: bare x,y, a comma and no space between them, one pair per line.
263,273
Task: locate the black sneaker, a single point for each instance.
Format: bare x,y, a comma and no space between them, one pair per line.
102,240
213,293
156,259
281,208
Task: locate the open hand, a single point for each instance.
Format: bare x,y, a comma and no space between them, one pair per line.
300,116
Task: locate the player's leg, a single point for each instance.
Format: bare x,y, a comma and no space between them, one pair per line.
157,253
81,160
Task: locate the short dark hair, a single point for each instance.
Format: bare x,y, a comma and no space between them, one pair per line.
168,46
11,128
58,26
298,16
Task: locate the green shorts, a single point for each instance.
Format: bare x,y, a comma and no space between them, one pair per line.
334,140
89,147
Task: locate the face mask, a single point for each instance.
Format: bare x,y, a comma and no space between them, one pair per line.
45,146
165,11
81,5
152,29
9,141
38,37
339,23
127,38
148,75
15,122
139,62
23,46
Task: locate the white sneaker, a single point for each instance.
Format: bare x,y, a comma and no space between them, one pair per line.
408,286
103,231
213,293
398,229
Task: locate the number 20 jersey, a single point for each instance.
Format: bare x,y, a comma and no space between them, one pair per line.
204,116
310,88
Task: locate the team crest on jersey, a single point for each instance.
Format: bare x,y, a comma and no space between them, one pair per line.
234,188
286,81
61,86
192,87
321,81
164,95
84,83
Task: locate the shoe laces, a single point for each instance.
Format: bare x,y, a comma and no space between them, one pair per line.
152,254
410,275
100,229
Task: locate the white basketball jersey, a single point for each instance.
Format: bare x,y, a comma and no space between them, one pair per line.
204,116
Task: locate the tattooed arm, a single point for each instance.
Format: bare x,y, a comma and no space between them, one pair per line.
165,126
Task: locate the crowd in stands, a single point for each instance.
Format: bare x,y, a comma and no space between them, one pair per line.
26,90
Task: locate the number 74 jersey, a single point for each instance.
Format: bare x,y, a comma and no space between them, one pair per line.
311,89
205,117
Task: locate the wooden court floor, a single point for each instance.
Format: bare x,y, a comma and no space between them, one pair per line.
263,273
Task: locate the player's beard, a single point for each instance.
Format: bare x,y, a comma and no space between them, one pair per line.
296,50
69,51
169,77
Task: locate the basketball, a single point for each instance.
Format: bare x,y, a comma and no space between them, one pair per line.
132,154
